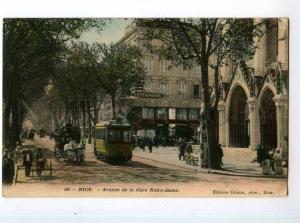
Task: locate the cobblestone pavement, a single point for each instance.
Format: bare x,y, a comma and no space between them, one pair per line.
139,170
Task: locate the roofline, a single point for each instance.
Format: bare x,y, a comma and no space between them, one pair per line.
126,35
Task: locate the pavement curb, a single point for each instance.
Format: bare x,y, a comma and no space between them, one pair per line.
222,172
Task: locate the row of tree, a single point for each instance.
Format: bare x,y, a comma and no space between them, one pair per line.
47,69
87,74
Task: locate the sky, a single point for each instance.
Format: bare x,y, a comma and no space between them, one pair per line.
112,32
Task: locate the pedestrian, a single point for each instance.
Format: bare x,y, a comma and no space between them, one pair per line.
31,134
133,142
39,161
182,150
143,141
138,141
277,159
260,154
266,163
219,155
27,161
272,152
189,148
150,144
8,168
28,134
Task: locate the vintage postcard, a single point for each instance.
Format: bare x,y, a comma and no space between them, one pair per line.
164,107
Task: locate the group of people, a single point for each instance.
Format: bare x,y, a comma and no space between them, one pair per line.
28,134
270,160
142,142
184,149
29,157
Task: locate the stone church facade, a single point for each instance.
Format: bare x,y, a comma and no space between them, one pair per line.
253,109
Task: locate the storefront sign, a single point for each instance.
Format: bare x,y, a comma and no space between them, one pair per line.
147,95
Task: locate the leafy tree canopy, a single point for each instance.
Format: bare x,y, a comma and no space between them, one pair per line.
186,40
120,69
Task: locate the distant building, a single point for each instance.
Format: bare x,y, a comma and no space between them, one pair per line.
169,102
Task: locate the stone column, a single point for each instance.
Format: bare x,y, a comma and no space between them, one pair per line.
281,103
254,123
259,59
283,50
222,122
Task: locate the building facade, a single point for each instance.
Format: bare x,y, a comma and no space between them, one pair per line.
168,104
253,110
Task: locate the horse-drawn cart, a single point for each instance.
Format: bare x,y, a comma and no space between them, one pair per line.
69,148
71,153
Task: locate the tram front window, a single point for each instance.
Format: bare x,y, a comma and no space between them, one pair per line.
126,136
119,136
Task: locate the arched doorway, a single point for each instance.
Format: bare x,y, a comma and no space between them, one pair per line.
267,117
239,119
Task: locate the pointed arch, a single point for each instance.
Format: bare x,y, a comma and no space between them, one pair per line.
238,118
267,118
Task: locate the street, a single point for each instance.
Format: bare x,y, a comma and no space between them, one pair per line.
140,170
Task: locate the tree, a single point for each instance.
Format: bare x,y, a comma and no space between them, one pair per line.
31,48
208,43
120,70
76,82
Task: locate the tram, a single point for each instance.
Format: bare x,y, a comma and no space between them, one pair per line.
113,141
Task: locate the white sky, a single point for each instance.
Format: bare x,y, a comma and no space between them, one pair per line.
112,32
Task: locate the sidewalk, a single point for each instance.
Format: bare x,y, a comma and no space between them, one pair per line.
237,161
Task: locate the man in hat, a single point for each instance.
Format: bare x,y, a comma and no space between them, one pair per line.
40,161
27,161
220,155
182,150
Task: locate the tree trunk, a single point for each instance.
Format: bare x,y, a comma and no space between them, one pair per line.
212,139
78,113
15,112
209,118
113,103
83,118
67,111
6,124
74,112
15,127
90,120
95,110
9,91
